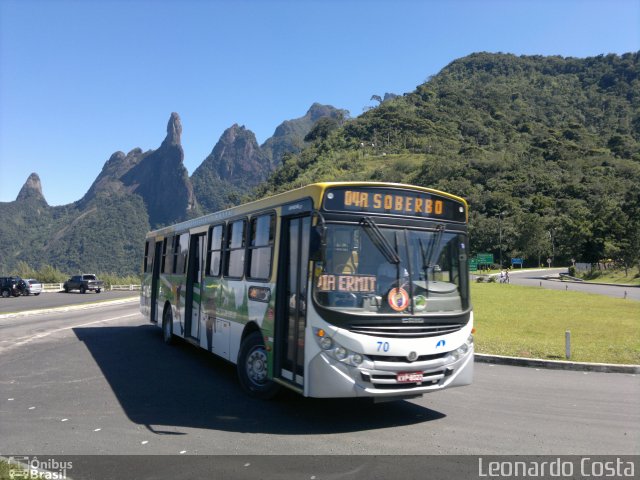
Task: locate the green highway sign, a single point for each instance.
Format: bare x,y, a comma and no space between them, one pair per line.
484,258
473,265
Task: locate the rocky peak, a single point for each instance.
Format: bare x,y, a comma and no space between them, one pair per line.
174,130
289,135
317,111
32,189
161,179
237,157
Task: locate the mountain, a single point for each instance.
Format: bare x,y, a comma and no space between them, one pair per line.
237,164
137,191
158,176
31,191
289,135
545,149
104,230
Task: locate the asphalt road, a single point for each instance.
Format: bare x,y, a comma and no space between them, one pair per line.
100,381
539,279
59,299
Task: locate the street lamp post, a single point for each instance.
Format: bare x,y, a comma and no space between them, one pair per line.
500,215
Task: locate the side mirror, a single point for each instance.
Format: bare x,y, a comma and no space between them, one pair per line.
317,243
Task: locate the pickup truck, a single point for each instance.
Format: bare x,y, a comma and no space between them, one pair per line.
83,283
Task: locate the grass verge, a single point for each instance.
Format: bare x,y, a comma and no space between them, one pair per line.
531,322
614,276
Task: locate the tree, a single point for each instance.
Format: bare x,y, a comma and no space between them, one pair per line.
533,239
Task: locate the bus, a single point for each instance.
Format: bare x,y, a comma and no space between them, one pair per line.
341,289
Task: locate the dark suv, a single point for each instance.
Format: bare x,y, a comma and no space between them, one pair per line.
83,283
11,286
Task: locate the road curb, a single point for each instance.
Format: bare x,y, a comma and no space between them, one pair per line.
621,285
70,308
556,364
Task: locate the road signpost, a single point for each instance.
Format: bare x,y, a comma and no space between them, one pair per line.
473,264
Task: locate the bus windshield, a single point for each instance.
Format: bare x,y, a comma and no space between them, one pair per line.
392,271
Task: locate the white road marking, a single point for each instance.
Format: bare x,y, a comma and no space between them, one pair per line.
24,340
32,408
97,429
144,442
64,420
70,308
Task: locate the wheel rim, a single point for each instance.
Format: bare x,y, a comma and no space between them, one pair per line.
256,365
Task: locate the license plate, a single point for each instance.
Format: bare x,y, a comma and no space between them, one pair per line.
409,377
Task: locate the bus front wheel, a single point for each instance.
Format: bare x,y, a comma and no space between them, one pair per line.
253,368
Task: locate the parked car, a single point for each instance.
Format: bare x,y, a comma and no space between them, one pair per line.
83,283
32,287
11,286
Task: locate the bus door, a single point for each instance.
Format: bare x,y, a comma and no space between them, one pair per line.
194,286
291,308
155,280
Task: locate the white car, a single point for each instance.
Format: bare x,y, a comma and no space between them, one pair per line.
33,287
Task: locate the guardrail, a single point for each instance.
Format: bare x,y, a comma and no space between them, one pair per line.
125,287
58,287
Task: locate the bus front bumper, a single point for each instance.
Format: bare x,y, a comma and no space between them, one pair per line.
329,378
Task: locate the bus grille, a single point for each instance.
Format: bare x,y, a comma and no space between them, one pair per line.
411,331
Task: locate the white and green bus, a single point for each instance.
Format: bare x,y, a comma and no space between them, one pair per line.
350,289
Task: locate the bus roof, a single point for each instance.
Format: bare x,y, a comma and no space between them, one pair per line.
314,191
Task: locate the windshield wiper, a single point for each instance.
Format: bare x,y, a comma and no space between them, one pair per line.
377,238
432,249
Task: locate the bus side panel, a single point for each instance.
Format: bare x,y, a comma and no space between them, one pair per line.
172,291
145,296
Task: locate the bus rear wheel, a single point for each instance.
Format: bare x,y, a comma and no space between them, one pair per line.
167,326
253,368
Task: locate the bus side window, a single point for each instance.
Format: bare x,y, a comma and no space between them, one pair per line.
180,250
235,243
262,231
145,266
214,253
166,245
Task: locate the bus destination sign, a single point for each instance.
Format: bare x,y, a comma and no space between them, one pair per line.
394,201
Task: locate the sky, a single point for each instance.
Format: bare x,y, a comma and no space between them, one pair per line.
82,79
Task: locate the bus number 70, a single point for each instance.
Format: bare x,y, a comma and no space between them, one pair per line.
384,346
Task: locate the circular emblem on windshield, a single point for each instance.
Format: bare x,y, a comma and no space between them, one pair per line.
398,299
412,356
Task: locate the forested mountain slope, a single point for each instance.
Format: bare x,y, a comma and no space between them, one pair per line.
551,145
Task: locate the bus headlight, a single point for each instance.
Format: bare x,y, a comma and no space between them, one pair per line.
326,343
336,350
462,350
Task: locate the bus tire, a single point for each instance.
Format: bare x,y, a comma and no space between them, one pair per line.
253,368
167,326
